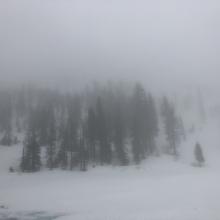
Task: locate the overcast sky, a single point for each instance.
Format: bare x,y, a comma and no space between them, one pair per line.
71,42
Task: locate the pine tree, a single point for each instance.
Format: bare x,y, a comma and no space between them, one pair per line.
199,154
139,123
102,135
73,123
7,139
82,150
42,115
35,153
181,129
119,137
171,125
24,161
152,124
31,158
51,140
91,135
62,156
6,117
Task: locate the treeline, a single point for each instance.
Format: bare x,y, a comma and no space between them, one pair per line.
111,124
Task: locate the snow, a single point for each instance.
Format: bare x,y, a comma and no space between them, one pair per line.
159,189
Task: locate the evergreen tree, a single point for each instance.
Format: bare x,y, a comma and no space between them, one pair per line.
171,125
73,123
31,158
139,123
91,135
181,129
62,157
152,124
102,135
35,153
21,108
43,120
24,161
119,137
199,154
7,139
6,117
51,147
82,150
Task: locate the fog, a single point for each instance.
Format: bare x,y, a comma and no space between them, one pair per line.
164,44
131,130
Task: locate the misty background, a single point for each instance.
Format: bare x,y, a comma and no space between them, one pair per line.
164,44
109,109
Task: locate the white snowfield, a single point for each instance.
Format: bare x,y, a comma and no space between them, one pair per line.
159,189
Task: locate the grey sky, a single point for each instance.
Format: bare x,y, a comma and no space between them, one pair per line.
154,41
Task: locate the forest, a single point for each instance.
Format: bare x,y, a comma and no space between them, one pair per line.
113,123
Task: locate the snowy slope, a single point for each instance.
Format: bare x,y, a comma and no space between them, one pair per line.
160,189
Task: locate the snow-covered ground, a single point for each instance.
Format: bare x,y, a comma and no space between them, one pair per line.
160,189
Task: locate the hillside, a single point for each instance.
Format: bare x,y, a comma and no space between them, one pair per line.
160,188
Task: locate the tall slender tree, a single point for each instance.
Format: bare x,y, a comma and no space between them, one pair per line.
119,137
139,123
83,151
73,123
31,158
152,124
171,125
62,156
91,135
51,147
102,135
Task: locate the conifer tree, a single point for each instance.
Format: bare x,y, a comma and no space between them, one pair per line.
181,129
51,147
73,123
119,137
23,164
83,155
6,117
199,154
139,123
171,125
102,135
42,125
91,135
7,139
31,158
62,157
152,124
